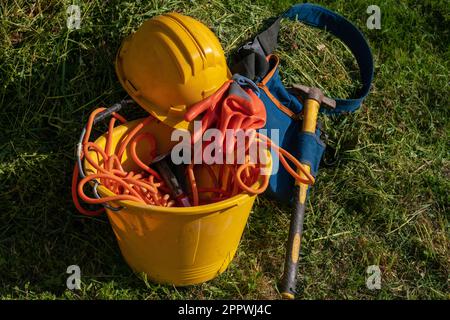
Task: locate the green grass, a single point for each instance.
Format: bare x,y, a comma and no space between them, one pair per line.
385,202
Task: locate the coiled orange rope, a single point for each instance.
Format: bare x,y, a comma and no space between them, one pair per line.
147,187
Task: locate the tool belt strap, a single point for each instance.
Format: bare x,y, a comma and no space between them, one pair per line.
251,59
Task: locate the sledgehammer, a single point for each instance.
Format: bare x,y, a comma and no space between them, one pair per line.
313,99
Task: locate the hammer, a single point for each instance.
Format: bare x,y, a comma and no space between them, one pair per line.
313,99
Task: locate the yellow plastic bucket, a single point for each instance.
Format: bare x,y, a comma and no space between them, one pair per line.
179,246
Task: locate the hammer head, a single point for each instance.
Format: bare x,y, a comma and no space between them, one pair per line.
314,94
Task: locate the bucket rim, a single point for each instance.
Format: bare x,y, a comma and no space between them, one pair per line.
237,200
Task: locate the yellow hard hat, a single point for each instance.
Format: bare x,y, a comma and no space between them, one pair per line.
171,62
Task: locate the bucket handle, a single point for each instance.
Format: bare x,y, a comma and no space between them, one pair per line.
100,117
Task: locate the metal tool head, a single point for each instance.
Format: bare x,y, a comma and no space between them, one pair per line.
159,158
161,163
313,93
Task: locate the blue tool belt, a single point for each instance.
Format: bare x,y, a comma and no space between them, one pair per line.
255,60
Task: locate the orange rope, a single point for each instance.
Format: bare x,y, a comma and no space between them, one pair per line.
147,187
